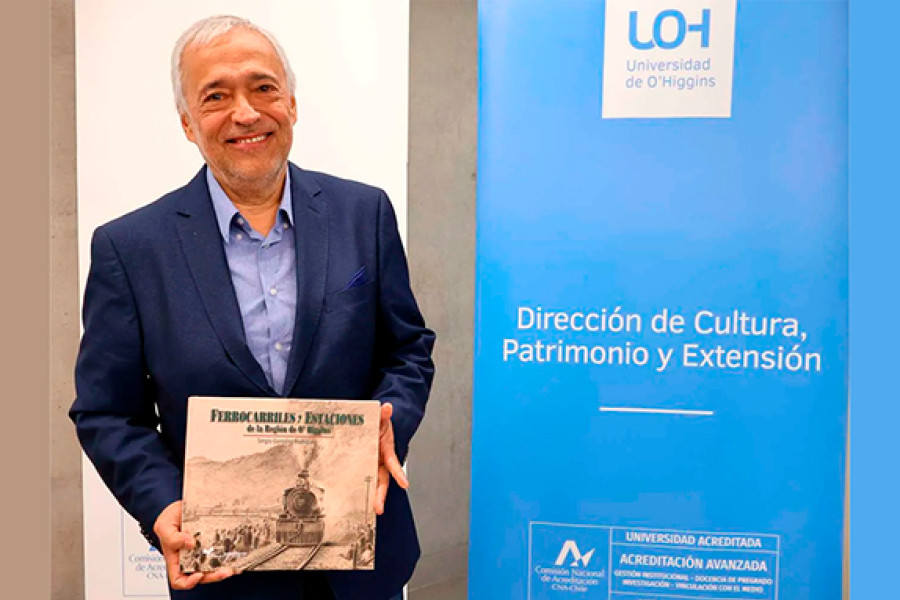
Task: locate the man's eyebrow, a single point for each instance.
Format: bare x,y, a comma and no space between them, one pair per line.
260,75
254,77
215,83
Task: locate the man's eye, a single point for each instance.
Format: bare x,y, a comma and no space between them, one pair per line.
214,97
266,87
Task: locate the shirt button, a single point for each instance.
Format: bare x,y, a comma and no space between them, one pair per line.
278,346
273,291
240,221
285,226
240,236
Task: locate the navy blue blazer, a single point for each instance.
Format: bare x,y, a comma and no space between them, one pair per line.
162,322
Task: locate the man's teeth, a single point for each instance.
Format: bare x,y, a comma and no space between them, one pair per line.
257,138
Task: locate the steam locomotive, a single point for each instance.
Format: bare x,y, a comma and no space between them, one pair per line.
302,521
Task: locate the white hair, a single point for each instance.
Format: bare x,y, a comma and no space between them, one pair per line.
205,31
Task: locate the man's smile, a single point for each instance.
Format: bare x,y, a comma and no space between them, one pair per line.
249,139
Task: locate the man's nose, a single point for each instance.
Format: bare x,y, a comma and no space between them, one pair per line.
244,113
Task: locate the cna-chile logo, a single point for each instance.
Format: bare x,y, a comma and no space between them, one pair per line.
569,547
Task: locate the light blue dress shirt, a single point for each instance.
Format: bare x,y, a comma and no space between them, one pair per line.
264,274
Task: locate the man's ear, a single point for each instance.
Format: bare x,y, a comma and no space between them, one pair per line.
186,126
293,109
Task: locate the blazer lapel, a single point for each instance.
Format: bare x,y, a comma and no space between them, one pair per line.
311,241
201,241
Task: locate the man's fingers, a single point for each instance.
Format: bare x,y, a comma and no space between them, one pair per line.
169,520
185,582
176,540
182,581
172,566
384,423
387,457
396,470
381,489
171,539
217,575
177,579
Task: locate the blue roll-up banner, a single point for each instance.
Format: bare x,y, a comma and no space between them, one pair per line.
660,395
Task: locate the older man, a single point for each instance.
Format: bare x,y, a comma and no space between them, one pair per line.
257,278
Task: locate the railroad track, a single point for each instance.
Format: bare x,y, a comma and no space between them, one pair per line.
269,555
312,553
279,549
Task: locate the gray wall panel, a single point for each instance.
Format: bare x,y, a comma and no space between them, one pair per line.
67,552
442,161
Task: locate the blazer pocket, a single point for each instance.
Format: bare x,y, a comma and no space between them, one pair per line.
343,299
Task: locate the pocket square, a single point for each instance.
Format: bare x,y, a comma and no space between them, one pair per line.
361,277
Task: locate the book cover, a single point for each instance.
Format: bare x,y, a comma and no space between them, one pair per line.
280,484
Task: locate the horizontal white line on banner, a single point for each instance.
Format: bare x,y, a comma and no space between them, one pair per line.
658,411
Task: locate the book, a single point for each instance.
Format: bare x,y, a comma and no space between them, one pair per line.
280,484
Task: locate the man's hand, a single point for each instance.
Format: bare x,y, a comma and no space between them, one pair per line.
388,463
168,529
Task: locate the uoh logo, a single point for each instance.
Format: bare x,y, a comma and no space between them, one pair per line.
673,37
646,41
570,547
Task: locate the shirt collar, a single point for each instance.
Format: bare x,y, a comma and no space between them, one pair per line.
226,210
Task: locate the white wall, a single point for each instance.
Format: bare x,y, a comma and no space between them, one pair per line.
351,59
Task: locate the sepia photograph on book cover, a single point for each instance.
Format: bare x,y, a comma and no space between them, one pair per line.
280,484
